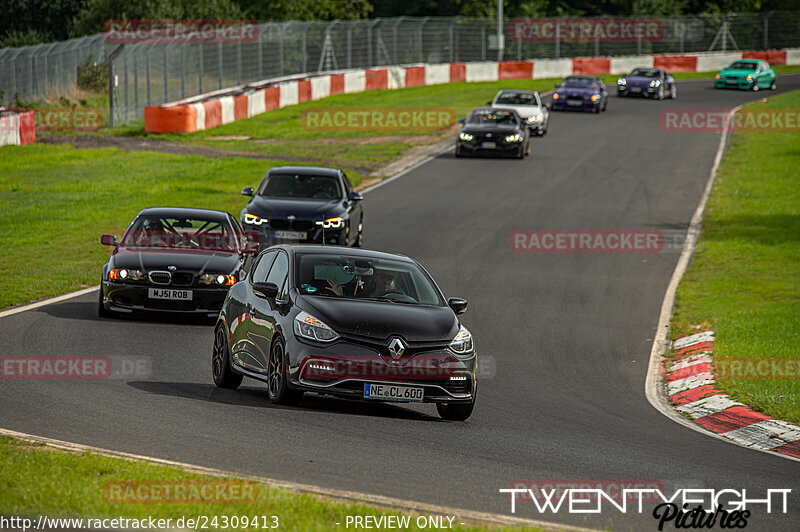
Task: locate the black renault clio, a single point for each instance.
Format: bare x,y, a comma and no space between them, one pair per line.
349,323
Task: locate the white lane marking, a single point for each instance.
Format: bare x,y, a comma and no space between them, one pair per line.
701,358
689,383
379,500
708,406
48,301
765,435
693,339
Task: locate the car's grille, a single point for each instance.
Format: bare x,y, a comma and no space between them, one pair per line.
297,225
159,277
182,278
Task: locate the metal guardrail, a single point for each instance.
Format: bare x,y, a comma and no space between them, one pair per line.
152,73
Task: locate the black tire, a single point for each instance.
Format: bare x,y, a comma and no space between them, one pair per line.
605,105
521,152
660,92
221,371
755,85
360,237
458,151
597,109
673,92
455,411
102,311
277,383
773,86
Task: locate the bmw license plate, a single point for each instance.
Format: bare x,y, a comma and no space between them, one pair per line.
490,145
392,392
169,293
575,103
290,235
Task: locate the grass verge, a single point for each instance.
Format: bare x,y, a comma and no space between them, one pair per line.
744,281
39,480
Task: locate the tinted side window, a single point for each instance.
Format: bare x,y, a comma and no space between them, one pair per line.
260,272
279,270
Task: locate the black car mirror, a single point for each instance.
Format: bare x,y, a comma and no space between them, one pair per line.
556,85
458,305
108,240
356,196
265,290
489,102
462,120
247,191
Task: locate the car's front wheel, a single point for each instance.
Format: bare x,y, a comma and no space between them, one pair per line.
360,236
102,311
773,86
455,411
221,371
755,85
277,382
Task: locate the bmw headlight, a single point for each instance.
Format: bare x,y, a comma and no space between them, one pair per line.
221,279
465,136
308,327
124,274
331,223
622,81
253,219
516,137
462,343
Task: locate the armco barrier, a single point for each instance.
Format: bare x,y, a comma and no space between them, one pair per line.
17,127
221,107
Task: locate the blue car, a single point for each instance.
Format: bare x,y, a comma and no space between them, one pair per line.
648,82
581,93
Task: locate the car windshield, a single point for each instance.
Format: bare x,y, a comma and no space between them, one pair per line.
517,98
150,231
500,118
578,83
641,73
743,65
368,278
301,186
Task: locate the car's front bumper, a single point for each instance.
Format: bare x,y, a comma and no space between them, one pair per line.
266,236
573,104
127,298
477,147
741,84
647,92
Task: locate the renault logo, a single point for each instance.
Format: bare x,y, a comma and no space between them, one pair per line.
397,348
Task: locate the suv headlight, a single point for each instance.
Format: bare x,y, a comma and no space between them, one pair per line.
253,219
462,343
466,136
332,223
308,327
516,137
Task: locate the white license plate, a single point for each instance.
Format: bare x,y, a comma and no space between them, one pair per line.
574,103
636,89
169,293
290,235
490,145
392,392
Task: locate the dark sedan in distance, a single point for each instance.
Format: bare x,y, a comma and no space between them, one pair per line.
580,93
350,323
173,260
489,130
648,82
304,204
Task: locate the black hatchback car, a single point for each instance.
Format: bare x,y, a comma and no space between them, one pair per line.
173,260
488,130
349,323
304,204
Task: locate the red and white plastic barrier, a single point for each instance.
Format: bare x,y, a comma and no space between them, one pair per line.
17,127
214,109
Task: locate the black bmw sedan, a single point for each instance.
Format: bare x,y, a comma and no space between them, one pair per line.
349,323
493,131
173,260
304,204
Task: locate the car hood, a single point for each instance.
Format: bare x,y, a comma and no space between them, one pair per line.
522,110
639,81
489,128
378,320
738,72
573,92
302,209
161,259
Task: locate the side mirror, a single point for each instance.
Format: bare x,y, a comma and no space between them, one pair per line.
265,290
247,191
108,240
462,120
356,196
489,103
458,305
556,85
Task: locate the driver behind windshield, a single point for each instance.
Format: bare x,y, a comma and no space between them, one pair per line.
376,285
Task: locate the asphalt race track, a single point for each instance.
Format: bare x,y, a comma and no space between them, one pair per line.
567,336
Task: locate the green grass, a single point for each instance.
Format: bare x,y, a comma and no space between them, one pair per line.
744,281
37,480
55,201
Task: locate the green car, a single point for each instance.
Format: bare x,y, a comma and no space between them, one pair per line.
747,74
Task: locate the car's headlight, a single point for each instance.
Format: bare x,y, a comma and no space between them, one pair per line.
124,274
595,97
253,219
331,223
465,136
622,81
221,279
719,76
749,78
535,118
555,96
655,83
516,137
462,343
308,327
